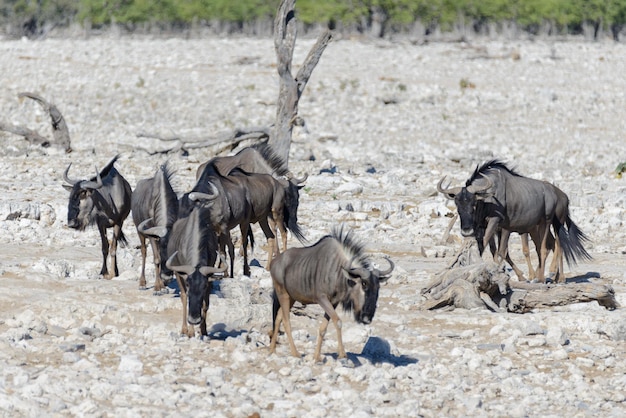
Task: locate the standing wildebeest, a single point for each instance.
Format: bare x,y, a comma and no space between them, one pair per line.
103,200
193,249
154,206
496,197
333,271
263,159
230,207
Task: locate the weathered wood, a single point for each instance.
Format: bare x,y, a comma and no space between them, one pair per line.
223,142
291,89
469,282
528,296
60,131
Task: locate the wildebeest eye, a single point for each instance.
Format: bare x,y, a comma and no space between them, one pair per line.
364,284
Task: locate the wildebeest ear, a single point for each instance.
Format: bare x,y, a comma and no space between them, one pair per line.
350,276
68,187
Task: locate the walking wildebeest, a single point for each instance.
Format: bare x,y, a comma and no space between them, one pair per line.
333,271
103,200
263,159
496,197
193,251
231,207
154,207
268,202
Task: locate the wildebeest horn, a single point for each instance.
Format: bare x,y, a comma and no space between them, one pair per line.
155,231
66,178
206,270
389,270
178,269
477,190
205,196
447,192
93,184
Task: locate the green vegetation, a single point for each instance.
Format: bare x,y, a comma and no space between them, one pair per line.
31,17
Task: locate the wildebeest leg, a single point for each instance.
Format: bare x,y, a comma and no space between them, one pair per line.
156,257
186,329
503,254
224,240
526,252
271,241
490,230
243,227
321,332
117,232
331,314
544,252
557,262
285,308
142,246
105,251
205,309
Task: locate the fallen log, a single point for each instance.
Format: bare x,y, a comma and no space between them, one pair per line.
469,283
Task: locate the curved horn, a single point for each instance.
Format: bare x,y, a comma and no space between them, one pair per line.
478,190
66,178
155,231
448,192
206,270
301,179
389,270
179,269
93,184
205,196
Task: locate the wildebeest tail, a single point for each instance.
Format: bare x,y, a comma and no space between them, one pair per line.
572,241
122,239
275,308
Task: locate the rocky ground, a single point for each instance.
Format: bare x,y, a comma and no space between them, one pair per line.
384,122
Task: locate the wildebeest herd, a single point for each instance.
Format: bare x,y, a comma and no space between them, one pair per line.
190,235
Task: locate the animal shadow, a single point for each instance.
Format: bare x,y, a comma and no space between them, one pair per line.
220,332
377,351
584,278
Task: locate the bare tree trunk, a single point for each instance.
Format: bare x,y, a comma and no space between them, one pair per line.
60,132
285,28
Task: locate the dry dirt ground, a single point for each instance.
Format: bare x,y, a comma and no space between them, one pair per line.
384,122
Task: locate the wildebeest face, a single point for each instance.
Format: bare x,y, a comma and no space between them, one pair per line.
466,207
363,297
79,207
197,294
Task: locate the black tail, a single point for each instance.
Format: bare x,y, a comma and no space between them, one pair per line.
122,239
571,241
275,308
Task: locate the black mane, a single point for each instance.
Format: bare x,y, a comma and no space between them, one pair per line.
489,165
345,236
273,159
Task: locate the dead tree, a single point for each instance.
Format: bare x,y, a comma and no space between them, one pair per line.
469,282
60,132
291,88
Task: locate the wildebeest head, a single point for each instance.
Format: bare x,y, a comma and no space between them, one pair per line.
197,284
467,200
81,202
363,287
292,201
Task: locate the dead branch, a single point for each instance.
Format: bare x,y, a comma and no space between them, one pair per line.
291,89
223,142
60,132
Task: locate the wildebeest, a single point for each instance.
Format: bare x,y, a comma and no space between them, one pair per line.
262,159
497,198
154,207
230,208
193,251
103,200
268,201
333,271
